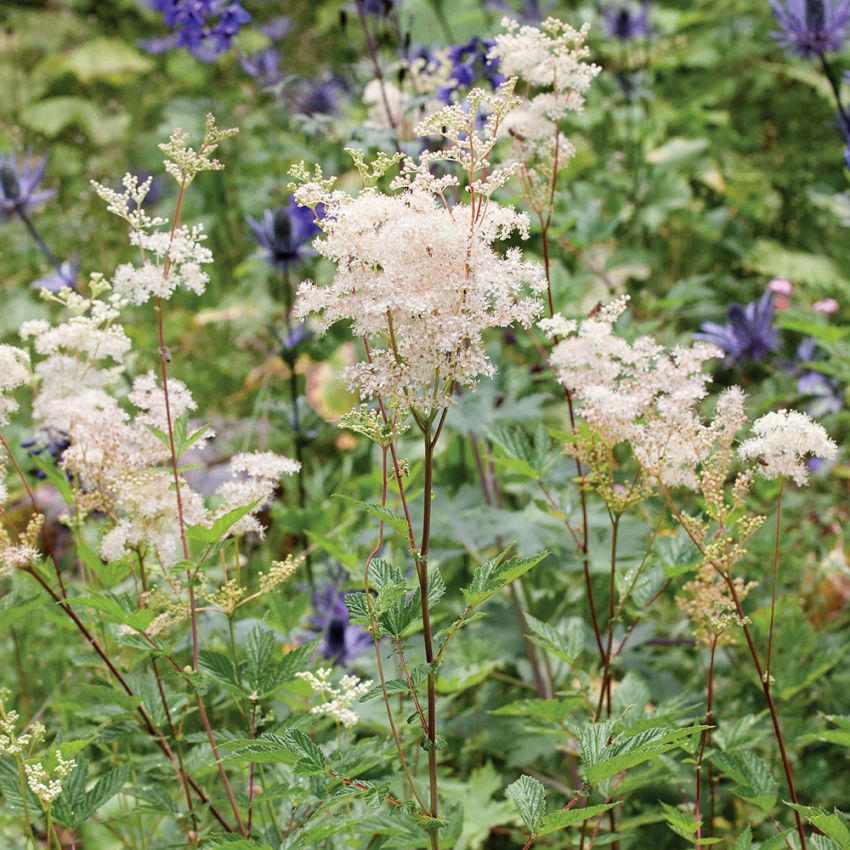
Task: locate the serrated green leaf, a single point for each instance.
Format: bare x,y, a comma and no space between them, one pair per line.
498,572
529,797
560,820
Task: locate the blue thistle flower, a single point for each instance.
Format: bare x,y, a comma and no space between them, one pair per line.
749,333
19,184
625,22
63,277
811,28
317,97
284,234
342,641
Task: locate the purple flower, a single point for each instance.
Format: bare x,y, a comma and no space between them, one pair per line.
206,28
625,22
811,28
317,97
470,62
342,641
284,234
263,66
19,184
63,277
378,8
529,13
825,394
749,332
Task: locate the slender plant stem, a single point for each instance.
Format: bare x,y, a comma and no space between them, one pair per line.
765,682
42,245
709,722
375,642
605,688
422,570
775,575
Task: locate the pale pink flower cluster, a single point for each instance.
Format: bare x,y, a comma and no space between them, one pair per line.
255,477
640,393
420,277
551,61
782,442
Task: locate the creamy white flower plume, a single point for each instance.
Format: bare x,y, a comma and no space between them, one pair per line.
782,442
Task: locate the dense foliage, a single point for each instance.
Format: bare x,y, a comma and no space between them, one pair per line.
436,439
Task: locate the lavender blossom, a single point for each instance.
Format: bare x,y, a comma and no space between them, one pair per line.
749,333
284,234
19,184
811,28
206,28
342,641
625,22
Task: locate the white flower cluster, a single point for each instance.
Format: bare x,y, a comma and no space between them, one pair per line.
551,61
13,744
640,393
419,276
338,700
783,441
48,786
255,478
169,257
14,372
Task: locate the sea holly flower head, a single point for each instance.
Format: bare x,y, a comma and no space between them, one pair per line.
341,640
810,28
748,335
285,234
627,21
19,182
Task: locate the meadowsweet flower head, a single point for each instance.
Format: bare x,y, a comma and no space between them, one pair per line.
637,392
47,786
14,372
339,700
255,478
626,20
421,277
781,443
748,335
285,234
19,182
810,28
550,61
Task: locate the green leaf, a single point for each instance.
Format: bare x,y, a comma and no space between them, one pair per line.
14,608
55,476
529,797
312,760
118,608
744,840
219,667
220,527
497,573
567,647
681,823
751,774
834,825
111,59
560,820
268,748
386,515
260,651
